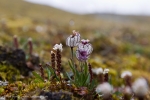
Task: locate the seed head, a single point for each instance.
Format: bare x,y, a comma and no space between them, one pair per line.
140,87
105,89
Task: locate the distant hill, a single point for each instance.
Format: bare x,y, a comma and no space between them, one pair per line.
116,17
42,12
20,7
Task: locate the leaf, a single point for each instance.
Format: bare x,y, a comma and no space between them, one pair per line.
53,73
93,84
86,80
38,76
85,68
77,75
71,66
68,76
51,70
48,73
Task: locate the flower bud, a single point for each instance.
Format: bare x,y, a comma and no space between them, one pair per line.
73,39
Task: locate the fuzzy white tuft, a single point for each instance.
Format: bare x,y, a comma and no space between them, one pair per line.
126,73
140,87
106,71
97,71
104,88
58,47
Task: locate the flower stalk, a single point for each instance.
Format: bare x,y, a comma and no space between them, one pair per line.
71,53
58,60
30,46
58,48
106,76
42,71
16,43
90,71
53,58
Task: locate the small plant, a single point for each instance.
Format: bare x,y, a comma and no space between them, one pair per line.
54,70
82,76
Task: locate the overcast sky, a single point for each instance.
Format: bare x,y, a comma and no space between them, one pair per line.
133,7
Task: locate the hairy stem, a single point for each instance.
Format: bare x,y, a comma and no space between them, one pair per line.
71,53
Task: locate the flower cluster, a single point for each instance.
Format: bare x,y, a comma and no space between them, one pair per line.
84,48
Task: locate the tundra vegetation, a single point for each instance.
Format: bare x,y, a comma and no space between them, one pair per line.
47,55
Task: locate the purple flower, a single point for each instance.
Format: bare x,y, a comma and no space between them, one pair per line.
84,50
82,55
73,39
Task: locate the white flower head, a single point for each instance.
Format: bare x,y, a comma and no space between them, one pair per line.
58,47
140,87
104,88
97,71
106,71
126,73
73,40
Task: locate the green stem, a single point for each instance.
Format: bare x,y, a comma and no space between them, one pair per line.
72,54
86,67
81,67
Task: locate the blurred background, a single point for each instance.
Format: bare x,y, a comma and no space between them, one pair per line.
119,30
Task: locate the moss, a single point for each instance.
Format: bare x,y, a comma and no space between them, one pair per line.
9,73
